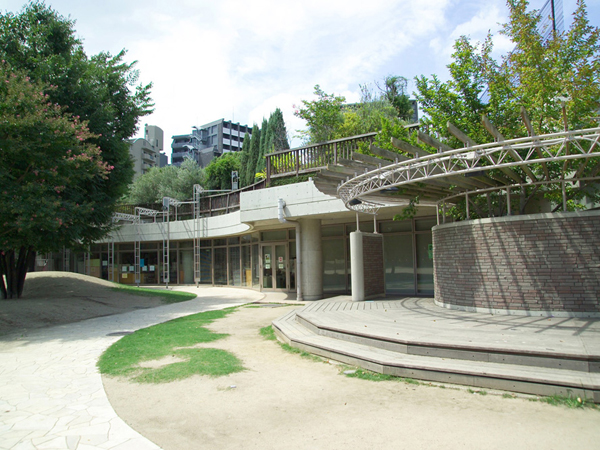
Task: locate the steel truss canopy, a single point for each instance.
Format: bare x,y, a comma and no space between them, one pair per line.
450,174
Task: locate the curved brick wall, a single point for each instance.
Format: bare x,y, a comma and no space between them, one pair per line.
541,262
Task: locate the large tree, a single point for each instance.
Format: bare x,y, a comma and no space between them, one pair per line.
556,80
51,175
101,91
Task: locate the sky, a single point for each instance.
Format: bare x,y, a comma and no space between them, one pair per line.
239,60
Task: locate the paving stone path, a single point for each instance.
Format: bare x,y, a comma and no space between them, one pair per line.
51,394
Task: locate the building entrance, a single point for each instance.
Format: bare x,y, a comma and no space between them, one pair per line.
275,270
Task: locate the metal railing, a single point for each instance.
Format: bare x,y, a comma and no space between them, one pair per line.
210,205
312,158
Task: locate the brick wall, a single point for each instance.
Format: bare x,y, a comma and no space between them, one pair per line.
542,262
373,264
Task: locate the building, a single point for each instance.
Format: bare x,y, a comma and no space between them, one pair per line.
209,141
336,233
146,152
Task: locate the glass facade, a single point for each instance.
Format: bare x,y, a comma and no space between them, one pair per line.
268,260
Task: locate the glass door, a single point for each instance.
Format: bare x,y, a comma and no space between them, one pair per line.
275,267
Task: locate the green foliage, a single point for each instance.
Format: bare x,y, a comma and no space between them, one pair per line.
535,76
329,117
176,337
270,137
167,296
395,91
49,172
101,90
268,333
218,172
323,116
73,195
289,180
169,181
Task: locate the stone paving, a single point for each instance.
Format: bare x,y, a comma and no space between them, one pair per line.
51,393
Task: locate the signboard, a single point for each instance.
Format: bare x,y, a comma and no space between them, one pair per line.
267,266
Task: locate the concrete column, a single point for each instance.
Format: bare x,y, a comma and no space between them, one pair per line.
312,259
357,266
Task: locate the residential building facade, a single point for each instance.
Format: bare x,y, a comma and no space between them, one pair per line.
146,152
209,141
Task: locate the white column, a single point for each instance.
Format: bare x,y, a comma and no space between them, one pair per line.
357,267
312,259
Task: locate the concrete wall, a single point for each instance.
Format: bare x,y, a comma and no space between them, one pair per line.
520,264
211,227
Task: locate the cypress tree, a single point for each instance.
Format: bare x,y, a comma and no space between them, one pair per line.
254,154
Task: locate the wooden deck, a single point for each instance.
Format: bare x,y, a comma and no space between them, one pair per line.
415,338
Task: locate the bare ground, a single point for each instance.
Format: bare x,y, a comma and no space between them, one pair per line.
55,298
283,401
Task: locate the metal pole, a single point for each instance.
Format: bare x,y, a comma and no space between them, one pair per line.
508,201
375,223
357,223
564,196
437,212
467,203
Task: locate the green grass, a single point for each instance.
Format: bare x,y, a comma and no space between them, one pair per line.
171,338
269,333
569,401
167,296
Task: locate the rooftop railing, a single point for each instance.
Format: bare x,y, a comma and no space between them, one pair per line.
312,158
211,205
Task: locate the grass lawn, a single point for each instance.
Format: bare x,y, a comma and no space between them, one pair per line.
167,296
174,338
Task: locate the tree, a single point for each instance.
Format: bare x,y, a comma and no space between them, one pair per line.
395,90
50,172
536,75
218,172
253,154
169,181
323,116
329,117
101,90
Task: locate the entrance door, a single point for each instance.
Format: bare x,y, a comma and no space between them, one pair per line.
275,267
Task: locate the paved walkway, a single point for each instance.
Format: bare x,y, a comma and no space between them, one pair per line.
51,394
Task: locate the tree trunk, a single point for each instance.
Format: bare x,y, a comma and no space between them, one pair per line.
14,266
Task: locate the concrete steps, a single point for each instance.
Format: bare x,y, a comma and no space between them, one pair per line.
527,370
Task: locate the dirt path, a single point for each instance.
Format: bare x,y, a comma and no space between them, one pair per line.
284,401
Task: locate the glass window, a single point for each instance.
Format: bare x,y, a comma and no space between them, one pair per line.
235,278
218,242
220,266
365,227
205,243
336,230
149,245
247,238
246,266
425,224
206,266
186,244
149,267
292,233
233,240
293,262
278,235
186,266
399,267
334,265
255,267
396,226
424,264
